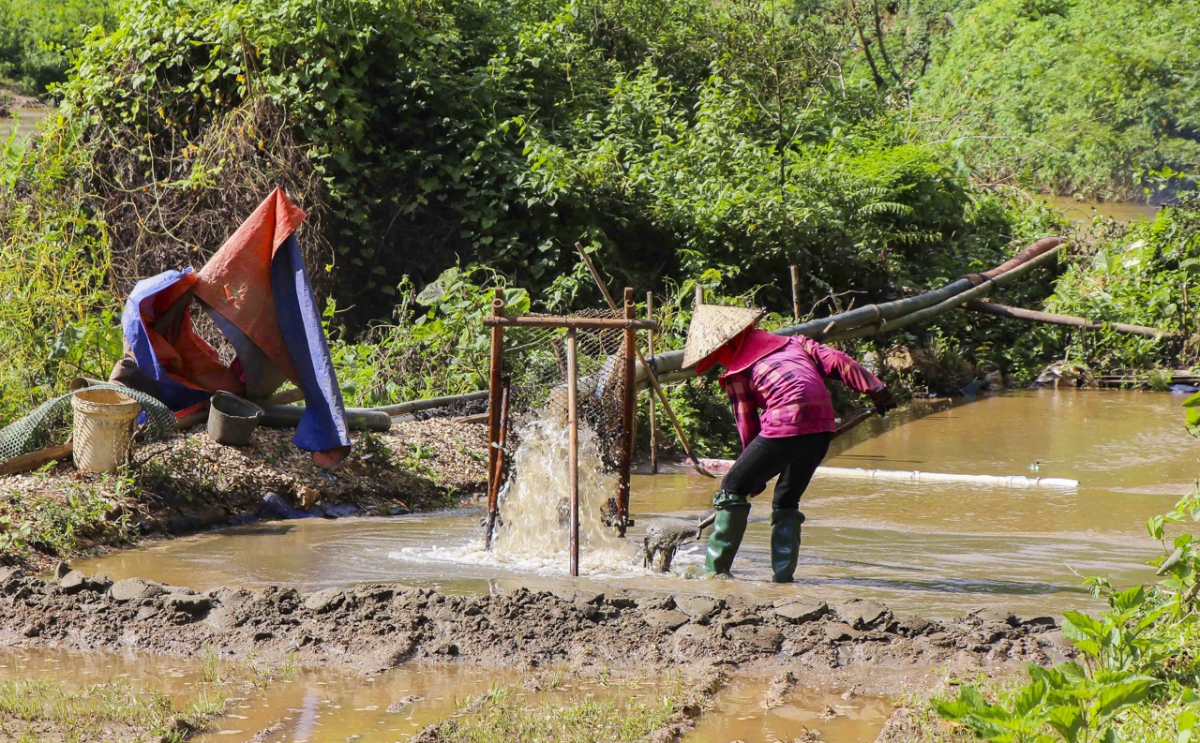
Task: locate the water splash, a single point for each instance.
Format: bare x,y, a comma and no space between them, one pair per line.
533,534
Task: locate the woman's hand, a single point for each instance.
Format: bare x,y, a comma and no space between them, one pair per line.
884,400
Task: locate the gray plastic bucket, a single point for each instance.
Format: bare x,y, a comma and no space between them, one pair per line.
232,420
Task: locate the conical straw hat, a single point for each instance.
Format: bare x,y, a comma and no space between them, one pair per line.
713,326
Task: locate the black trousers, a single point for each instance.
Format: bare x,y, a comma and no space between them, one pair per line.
793,459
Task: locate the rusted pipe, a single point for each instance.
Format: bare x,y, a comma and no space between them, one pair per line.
498,468
578,323
494,397
653,405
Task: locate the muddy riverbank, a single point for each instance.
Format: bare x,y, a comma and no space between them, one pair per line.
190,483
372,628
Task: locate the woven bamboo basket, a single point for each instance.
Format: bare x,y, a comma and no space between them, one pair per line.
103,428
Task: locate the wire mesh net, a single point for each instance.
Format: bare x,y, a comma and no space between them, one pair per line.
535,370
50,423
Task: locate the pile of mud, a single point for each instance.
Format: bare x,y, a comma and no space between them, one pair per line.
374,627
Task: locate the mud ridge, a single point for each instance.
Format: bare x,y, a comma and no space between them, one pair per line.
375,627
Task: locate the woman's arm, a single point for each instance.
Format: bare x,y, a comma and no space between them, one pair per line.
840,366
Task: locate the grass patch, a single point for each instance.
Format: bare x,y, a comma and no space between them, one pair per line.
54,711
507,714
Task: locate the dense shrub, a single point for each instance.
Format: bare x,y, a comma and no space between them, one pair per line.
1076,96
37,38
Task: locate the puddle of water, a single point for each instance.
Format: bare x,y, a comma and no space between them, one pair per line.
1085,211
739,714
934,549
316,705
26,121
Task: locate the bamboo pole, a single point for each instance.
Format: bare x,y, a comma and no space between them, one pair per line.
573,447
628,415
992,308
877,318
653,412
580,323
494,405
796,292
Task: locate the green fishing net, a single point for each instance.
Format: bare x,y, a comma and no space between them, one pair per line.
50,423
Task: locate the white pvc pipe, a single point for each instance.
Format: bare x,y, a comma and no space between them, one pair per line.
1002,481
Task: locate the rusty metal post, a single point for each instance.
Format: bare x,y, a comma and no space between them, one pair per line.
495,403
653,410
628,416
573,446
796,292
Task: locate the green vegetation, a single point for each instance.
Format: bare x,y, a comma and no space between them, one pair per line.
505,713
58,525
57,712
1140,273
1073,96
1137,674
38,37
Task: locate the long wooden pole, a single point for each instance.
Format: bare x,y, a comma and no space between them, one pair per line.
650,375
992,308
628,415
494,404
581,323
653,412
796,292
573,447
859,417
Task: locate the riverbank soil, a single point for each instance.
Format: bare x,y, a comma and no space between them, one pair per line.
857,645
190,483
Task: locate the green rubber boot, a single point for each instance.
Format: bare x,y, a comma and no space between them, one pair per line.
733,511
785,543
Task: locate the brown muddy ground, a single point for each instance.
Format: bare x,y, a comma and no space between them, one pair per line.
375,627
189,483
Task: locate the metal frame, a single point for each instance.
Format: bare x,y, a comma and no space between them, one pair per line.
498,419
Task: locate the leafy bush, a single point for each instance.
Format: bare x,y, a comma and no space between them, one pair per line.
1074,96
1138,677
1138,273
37,38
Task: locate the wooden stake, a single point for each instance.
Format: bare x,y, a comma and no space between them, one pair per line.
494,404
653,412
796,292
628,415
497,475
573,447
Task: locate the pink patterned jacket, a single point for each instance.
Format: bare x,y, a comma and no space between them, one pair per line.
785,379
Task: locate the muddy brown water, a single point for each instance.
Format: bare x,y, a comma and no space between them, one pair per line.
323,706
1087,210
933,549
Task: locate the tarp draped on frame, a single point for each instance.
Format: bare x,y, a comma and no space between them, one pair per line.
257,292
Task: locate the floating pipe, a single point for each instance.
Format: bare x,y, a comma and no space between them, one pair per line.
858,473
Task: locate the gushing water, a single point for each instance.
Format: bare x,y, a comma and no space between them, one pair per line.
535,505
533,532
